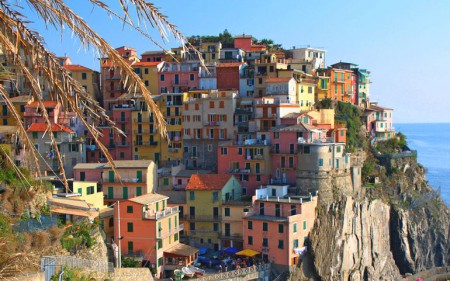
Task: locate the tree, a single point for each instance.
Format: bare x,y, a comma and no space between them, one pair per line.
24,48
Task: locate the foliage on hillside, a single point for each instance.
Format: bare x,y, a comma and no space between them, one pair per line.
350,114
79,236
394,145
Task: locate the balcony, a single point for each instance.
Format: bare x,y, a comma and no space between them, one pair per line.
113,77
173,150
123,144
166,234
122,120
145,143
265,116
181,83
199,232
232,236
200,218
142,131
252,142
134,254
152,215
239,171
143,120
212,123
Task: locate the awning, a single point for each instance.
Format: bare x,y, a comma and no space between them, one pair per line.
248,253
231,250
182,250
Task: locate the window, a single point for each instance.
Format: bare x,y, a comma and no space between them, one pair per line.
276,135
129,209
110,192
146,83
192,226
35,135
280,244
160,260
191,77
250,240
224,150
250,225
295,243
320,162
215,196
175,237
265,226
342,133
258,177
111,222
215,227
293,210
130,227
130,246
271,68
161,78
240,150
211,104
221,104
304,225
227,212
260,80
338,149
283,160
291,162
191,195
306,149
295,227
83,76
145,70
265,242
280,228
310,90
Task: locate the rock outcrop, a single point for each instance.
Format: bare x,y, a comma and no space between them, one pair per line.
350,241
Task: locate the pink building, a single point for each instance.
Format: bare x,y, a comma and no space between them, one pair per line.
284,139
178,77
33,114
279,225
248,161
88,172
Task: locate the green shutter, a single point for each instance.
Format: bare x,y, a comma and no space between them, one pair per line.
139,176
110,192
157,206
125,192
138,191
80,191
111,176
304,225
166,181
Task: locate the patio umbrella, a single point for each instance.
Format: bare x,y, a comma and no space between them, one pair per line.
248,253
231,250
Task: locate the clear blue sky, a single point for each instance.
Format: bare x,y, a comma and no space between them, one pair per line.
405,44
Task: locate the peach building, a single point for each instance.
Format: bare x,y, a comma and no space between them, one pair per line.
150,233
279,225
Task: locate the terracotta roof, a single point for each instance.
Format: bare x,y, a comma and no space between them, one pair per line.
207,182
147,63
278,79
300,127
76,67
175,197
41,127
229,64
148,198
46,104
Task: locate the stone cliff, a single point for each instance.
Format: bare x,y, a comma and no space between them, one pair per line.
385,229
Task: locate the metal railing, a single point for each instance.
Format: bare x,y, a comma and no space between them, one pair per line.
51,264
238,273
161,214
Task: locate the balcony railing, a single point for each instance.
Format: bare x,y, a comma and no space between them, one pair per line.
213,123
141,131
160,214
252,142
122,120
145,143
123,144
163,235
202,217
239,171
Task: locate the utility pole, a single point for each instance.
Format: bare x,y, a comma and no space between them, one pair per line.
119,258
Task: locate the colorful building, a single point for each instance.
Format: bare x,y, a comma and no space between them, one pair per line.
178,77
248,160
379,122
207,120
89,79
233,212
19,104
205,195
150,233
279,226
129,178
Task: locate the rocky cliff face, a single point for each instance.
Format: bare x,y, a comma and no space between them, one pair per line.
357,245
382,231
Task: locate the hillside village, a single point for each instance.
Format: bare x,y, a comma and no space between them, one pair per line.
247,153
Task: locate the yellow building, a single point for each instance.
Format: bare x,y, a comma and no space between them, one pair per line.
305,87
323,88
232,214
19,103
88,79
171,150
266,67
205,195
87,191
146,137
148,71
210,51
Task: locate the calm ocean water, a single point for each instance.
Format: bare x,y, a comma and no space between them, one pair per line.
432,142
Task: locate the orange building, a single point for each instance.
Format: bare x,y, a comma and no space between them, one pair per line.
279,225
341,87
150,233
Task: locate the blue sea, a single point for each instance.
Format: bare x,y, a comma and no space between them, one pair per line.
432,142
